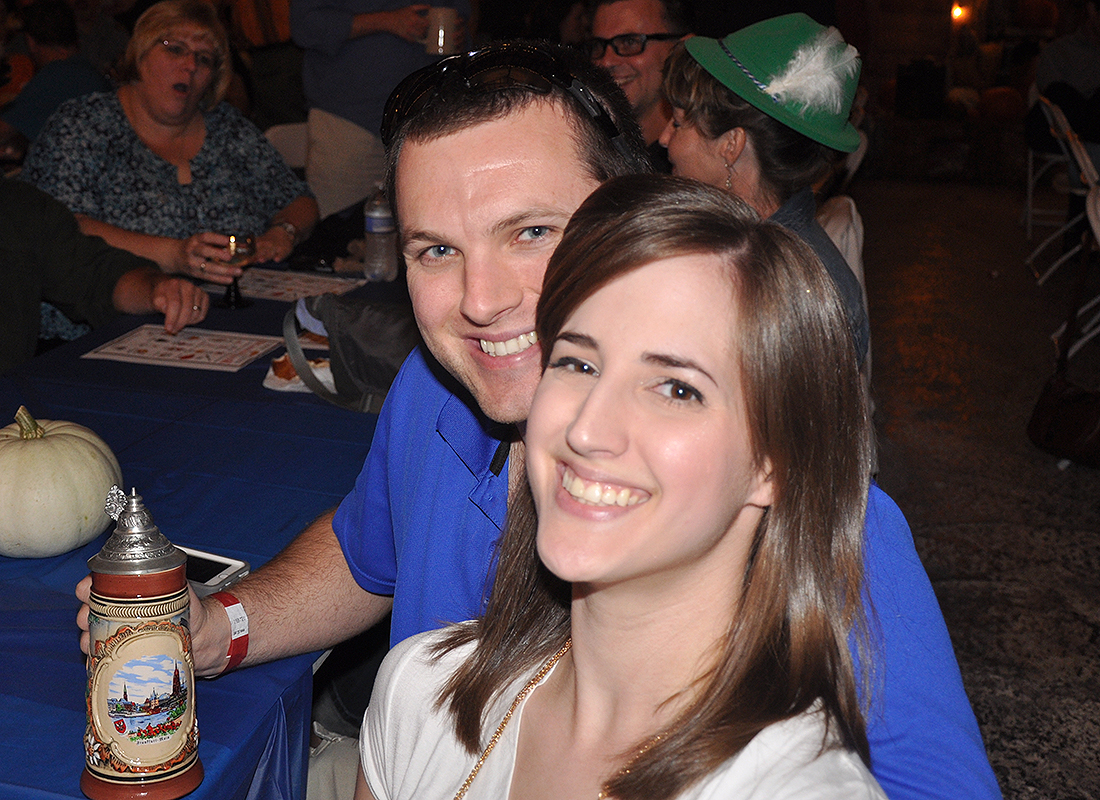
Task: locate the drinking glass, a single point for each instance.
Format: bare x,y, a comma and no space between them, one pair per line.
241,249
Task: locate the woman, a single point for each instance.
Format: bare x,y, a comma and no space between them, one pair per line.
698,453
762,114
162,167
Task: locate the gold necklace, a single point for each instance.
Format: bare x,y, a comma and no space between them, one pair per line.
526,690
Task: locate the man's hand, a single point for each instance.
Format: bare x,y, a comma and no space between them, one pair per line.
83,591
208,624
182,302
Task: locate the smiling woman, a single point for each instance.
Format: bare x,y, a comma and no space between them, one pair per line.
675,619
163,167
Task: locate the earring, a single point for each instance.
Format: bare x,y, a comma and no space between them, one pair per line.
729,176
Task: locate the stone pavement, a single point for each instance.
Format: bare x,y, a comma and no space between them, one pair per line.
961,348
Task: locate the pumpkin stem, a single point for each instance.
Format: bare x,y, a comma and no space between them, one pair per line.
28,426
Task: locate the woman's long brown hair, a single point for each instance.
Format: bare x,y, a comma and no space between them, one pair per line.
801,592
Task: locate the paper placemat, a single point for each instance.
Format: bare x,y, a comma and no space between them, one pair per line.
276,284
193,348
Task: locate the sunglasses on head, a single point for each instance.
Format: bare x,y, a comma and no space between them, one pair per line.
493,69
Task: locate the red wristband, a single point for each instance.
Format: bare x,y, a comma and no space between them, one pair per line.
238,630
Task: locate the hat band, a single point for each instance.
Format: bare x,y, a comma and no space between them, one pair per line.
743,68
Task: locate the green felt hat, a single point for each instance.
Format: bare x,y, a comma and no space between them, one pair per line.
793,69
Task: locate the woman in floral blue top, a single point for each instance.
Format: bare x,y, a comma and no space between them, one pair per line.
162,167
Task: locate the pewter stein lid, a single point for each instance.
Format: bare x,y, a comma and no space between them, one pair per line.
137,547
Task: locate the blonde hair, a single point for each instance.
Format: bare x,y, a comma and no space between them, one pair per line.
157,23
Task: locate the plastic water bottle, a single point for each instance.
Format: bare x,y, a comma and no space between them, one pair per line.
379,240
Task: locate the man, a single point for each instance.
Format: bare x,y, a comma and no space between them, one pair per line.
44,256
487,160
61,74
355,53
631,39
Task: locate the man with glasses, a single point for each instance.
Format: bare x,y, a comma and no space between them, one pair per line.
488,155
631,39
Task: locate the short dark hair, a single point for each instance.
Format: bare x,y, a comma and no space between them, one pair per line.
51,22
452,111
678,17
789,161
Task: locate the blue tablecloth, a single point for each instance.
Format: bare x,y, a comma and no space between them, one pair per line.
224,465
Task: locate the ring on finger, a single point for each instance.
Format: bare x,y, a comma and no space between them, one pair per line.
202,266
194,308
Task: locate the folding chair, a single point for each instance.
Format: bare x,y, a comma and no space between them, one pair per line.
1091,328
1039,163
1076,154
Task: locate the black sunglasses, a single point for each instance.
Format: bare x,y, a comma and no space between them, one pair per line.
625,44
493,69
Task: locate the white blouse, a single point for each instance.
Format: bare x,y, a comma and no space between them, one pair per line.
409,751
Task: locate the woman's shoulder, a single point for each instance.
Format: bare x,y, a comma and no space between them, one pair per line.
75,141
407,744
84,121
90,106
796,759
416,668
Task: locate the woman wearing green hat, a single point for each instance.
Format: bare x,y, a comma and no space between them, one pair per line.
762,114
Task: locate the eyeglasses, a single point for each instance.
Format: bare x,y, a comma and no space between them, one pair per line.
625,44
207,59
493,69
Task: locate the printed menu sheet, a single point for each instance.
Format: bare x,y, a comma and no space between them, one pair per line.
275,284
194,348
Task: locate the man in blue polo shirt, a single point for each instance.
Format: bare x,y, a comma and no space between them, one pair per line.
488,157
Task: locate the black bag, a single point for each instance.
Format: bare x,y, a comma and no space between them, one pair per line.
1066,419
369,338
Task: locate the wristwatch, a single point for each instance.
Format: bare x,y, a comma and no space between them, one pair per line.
289,228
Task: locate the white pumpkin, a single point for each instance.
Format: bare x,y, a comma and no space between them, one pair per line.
54,477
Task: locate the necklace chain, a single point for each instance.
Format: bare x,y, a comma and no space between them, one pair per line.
526,690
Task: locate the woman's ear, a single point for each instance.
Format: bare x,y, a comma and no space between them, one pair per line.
731,145
763,493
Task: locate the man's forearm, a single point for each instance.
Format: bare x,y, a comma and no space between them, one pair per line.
304,599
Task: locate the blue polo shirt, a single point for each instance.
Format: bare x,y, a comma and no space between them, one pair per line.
423,519
422,522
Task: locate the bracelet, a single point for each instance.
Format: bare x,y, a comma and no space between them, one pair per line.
238,630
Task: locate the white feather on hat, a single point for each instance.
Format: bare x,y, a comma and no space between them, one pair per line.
815,76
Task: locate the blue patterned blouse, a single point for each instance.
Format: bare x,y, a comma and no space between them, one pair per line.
89,157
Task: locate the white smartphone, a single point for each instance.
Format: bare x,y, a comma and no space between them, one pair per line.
209,572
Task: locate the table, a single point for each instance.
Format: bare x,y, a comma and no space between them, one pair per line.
223,464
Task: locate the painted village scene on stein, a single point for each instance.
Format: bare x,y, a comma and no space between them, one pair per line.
147,698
